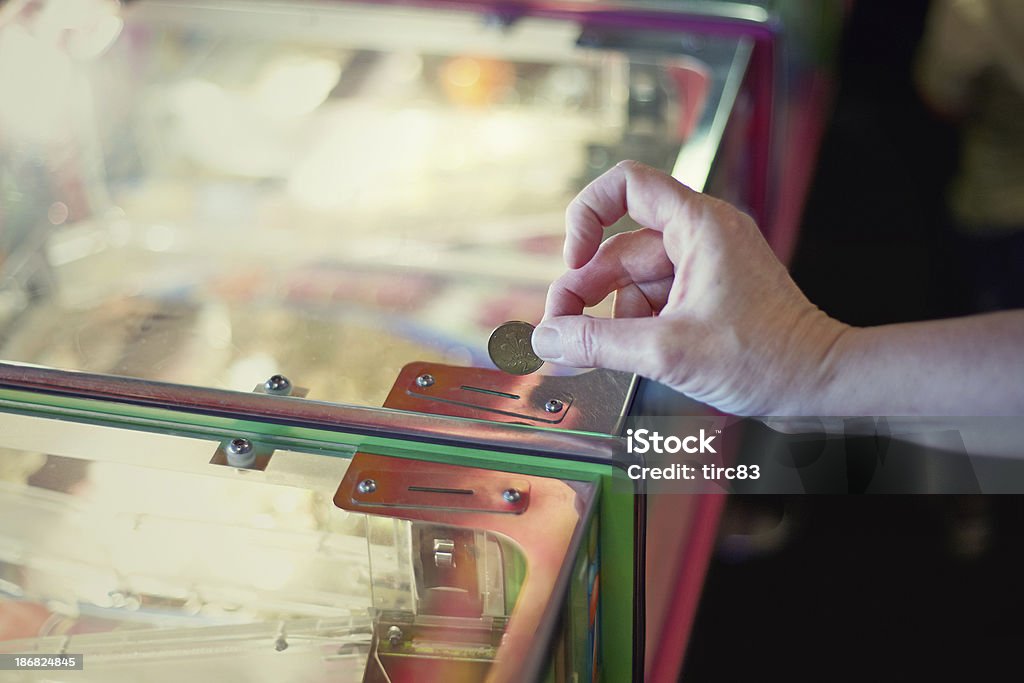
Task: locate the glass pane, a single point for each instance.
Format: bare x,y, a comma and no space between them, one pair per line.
211,194
133,549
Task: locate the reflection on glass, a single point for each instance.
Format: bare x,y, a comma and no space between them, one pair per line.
150,572
219,193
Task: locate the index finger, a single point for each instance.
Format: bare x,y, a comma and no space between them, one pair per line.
636,257
647,195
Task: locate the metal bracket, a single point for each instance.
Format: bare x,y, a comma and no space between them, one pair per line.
244,454
462,490
407,648
552,512
594,401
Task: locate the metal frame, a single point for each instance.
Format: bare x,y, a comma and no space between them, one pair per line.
283,410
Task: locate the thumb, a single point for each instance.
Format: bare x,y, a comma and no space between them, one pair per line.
626,344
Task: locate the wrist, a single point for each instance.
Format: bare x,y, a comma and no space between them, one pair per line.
819,353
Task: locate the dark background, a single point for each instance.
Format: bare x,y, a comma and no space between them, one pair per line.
870,587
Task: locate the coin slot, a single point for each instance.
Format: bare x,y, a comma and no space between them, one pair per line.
491,392
432,489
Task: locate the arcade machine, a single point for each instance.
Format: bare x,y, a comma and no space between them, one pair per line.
251,253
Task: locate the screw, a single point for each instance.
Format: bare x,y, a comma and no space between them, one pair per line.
240,446
554,406
280,644
511,495
278,384
367,486
240,453
394,636
425,381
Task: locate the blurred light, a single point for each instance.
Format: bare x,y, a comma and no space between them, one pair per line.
409,66
56,16
119,230
507,136
202,97
295,86
247,371
463,72
453,157
57,213
227,130
476,81
35,79
159,237
567,84
85,28
92,43
214,325
72,246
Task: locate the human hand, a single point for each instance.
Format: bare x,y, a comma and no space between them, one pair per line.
701,302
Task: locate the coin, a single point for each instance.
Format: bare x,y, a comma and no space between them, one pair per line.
511,349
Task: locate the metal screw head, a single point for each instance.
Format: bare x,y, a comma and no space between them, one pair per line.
554,406
394,636
281,644
240,446
511,495
367,486
240,453
278,384
425,381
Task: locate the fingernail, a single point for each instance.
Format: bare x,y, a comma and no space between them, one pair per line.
547,342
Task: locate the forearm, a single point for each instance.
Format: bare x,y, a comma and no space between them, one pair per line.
962,366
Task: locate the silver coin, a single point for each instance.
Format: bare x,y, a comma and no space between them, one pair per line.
511,349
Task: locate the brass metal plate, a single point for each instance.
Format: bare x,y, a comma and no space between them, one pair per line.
409,486
594,401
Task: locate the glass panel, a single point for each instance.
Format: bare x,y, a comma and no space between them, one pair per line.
120,557
213,193
133,549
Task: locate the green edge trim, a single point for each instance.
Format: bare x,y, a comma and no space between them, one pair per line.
616,531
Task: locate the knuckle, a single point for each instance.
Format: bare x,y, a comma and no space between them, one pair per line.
729,216
561,300
616,243
745,219
559,284
567,284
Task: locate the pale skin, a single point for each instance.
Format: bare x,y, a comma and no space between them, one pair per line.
704,306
